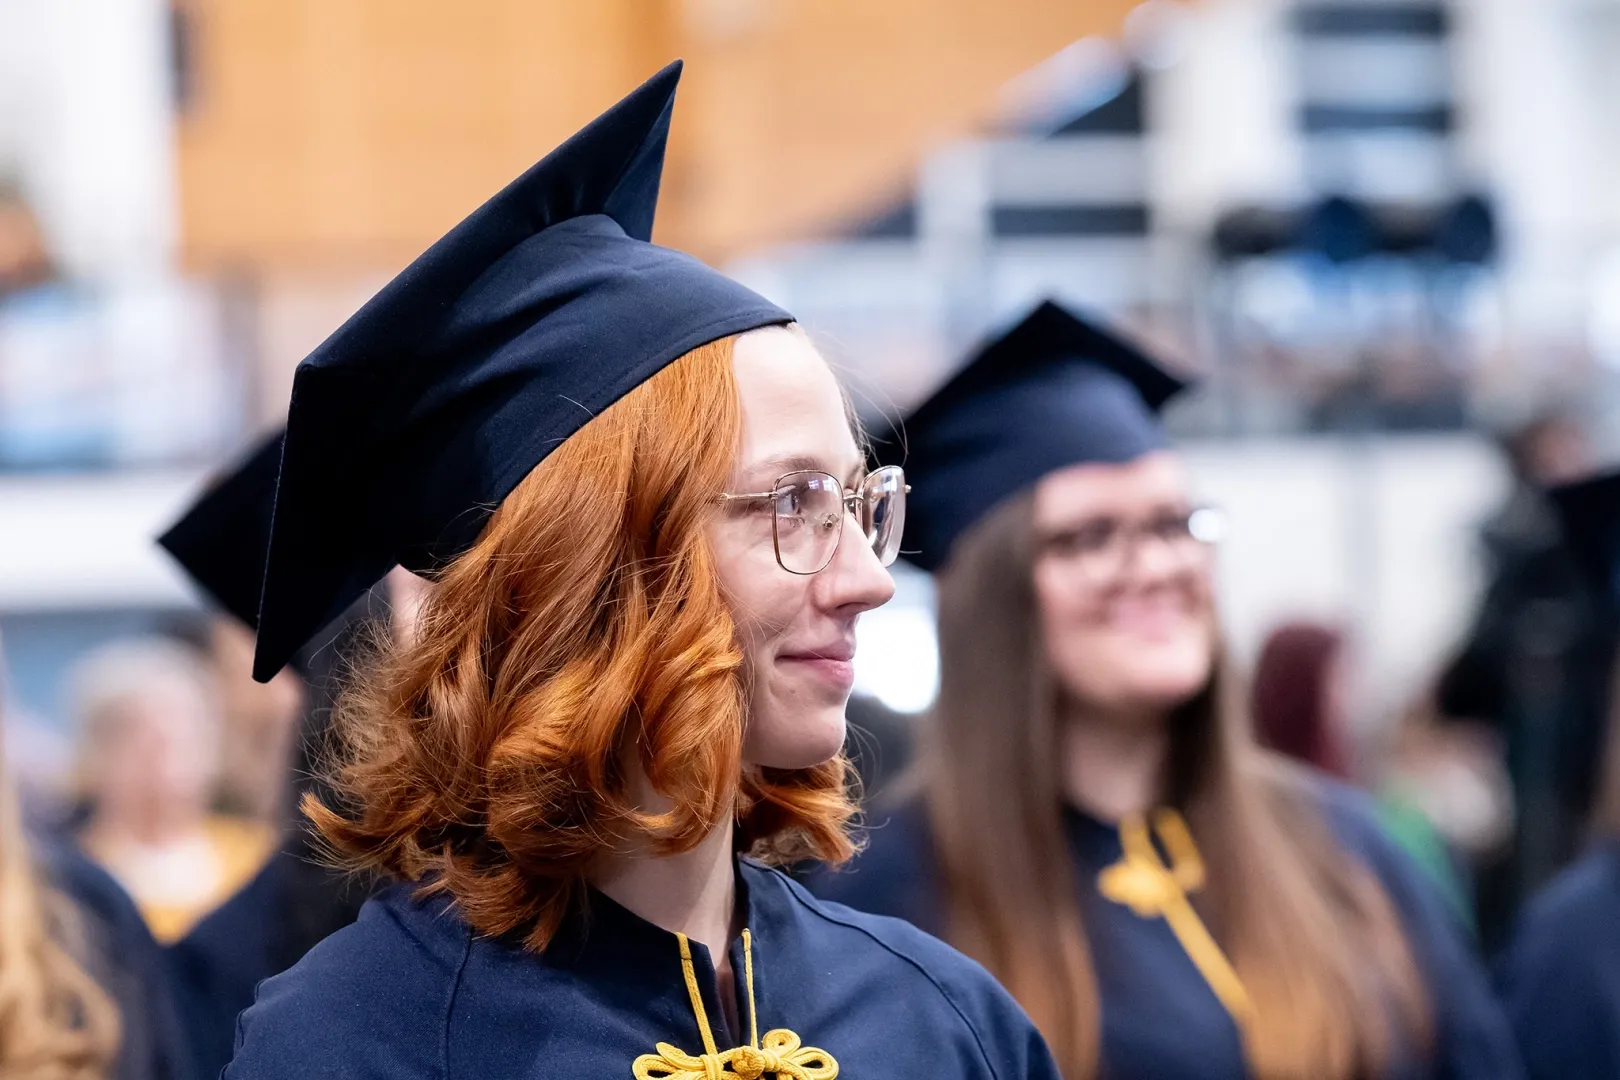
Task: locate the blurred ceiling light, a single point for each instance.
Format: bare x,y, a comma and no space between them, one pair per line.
897,657
1208,524
1084,74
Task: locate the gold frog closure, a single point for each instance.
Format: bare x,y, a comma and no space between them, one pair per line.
1142,882
782,1053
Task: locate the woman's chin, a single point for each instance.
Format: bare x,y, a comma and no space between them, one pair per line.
801,741
1156,684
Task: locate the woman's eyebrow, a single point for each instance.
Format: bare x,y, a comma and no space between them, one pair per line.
786,463
773,467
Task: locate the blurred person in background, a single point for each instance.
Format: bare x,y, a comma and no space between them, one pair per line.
41,767
1560,976
258,727
650,530
1534,670
295,901
880,743
1299,700
24,261
83,989
1094,821
1299,697
148,728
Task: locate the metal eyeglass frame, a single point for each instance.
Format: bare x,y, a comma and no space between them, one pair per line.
852,500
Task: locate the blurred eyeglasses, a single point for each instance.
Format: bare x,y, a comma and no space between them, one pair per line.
808,510
1101,549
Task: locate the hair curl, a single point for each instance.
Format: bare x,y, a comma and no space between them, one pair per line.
486,756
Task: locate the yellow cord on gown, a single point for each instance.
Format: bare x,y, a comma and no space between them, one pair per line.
1142,882
781,1054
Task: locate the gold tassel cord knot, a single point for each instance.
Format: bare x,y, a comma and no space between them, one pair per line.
781,1053
1142,882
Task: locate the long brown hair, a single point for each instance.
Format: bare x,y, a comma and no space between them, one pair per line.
1605,821
485,755
1311,934
56,1022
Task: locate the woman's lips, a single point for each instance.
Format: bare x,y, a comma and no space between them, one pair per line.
1155,621
836,667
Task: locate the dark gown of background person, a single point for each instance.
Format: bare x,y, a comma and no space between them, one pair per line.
1534,668
973,444
120,954
294,901
879,743
1160,1018
1560,976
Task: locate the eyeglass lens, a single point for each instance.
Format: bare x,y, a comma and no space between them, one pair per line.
809,511
1101,548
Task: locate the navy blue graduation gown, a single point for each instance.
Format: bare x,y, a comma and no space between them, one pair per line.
122,957
1560,975
410,991
261,931
1160,1019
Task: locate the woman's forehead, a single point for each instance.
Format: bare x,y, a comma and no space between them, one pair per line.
1103,487
793,410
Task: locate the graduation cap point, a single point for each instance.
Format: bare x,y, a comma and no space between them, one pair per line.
222,539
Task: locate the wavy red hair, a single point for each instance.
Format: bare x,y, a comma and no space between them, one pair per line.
486,757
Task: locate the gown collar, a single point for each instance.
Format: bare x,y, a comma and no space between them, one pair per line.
604,940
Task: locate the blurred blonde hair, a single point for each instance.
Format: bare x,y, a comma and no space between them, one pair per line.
56,1023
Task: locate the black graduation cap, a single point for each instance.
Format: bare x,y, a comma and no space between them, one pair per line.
1055,390
423,411
222,539
221,542
1590,513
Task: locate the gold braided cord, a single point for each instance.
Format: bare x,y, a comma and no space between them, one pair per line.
748,979
781,1053
1142,882
781,1056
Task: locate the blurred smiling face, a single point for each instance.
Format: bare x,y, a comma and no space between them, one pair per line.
1124,590
797,629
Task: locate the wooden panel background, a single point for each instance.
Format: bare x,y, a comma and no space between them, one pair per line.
348,134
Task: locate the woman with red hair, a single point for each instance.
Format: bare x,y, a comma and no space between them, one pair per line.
649,530
1298,696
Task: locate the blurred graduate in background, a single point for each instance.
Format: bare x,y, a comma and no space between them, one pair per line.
1300,703
1093,819
84,993
1561,974
294,900
1532,672
148,719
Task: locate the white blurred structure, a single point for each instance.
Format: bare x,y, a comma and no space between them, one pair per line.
87,131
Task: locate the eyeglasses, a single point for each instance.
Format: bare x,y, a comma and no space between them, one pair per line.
1101,549
808,509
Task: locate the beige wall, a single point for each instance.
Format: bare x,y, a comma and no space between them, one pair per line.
347,134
